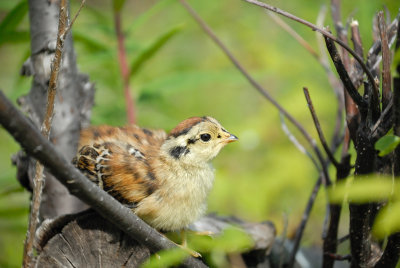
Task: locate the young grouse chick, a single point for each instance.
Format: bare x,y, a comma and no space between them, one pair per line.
164,179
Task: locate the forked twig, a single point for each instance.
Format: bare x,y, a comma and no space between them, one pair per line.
306,216
344,76
315,28
318,127
294,34
38,180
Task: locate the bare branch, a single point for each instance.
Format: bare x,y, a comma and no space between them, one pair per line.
318,127
386,77
25,133
304,220
68,28
294,34
315,28
344,76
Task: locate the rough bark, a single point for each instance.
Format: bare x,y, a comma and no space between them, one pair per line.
73,102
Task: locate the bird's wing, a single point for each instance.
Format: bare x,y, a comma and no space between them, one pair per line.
119,161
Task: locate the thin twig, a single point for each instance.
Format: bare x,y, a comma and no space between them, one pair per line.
257,86
296,143
318,127
338,257
304,220
294,34
335,83
315,28
68,28
386,77
37,146
38,180
124,68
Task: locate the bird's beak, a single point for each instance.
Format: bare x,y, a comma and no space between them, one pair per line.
231,138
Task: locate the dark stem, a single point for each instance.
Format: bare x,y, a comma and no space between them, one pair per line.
304,220
391,254
318,127
344,76
331,241
25,133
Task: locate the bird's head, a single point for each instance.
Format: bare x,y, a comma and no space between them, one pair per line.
196,140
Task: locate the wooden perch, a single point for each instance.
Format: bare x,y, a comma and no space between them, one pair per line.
68,240
39,147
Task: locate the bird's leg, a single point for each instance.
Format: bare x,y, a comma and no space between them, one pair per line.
183,245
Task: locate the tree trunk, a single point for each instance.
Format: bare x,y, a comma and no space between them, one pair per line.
73,103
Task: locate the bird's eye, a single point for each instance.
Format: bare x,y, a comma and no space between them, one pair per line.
205,137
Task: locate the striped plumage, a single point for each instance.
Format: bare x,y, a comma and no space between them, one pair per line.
164,179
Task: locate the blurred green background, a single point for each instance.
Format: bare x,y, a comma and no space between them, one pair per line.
261,177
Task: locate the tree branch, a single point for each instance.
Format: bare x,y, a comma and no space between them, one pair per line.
45,129
344,76
315,28
25,133
304,220
318,127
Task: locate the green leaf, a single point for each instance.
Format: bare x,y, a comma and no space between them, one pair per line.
233,239
362,190
14,17
388,220
13,212
118,4
145,16
387,144
14,37
166,258
149,52
90,43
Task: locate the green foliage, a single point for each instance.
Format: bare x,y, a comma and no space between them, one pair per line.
232,240
8,26
362,189
387,144
152,50
388,220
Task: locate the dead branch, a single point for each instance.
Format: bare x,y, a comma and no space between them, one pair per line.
25,133
318,127
315,28
38,180
386,77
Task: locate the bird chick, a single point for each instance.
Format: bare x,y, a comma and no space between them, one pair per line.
164,179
